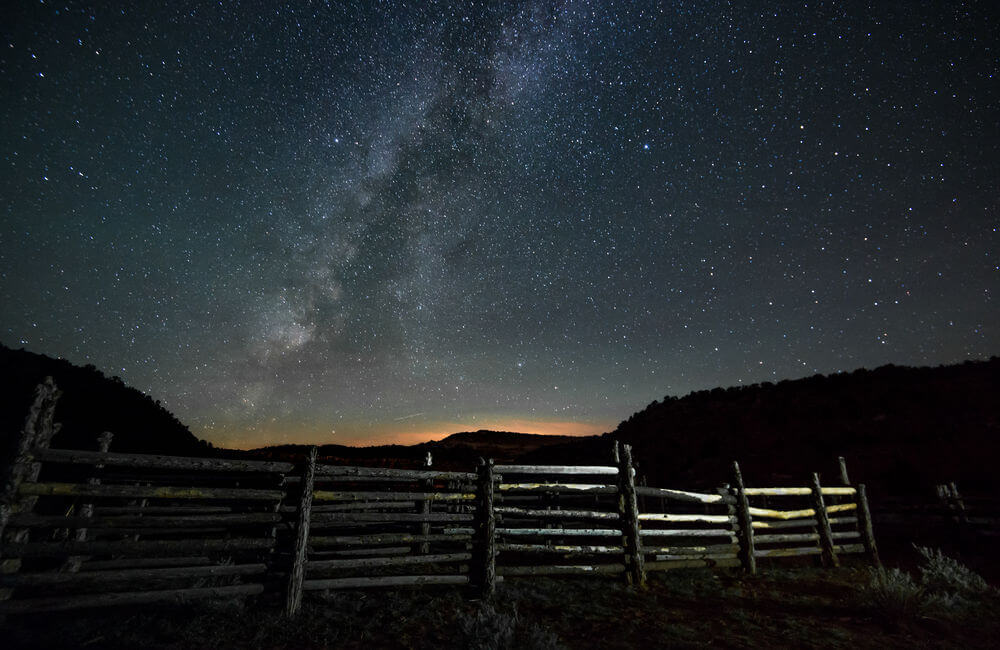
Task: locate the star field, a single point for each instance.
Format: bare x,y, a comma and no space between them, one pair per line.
383,221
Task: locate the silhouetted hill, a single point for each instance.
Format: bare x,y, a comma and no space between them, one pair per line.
895,425
459,451
502,446
90,403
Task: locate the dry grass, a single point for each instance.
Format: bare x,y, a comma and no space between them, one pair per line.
799,607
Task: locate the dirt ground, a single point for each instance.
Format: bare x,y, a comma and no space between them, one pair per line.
803,607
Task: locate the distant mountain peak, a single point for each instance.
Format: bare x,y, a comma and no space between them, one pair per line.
505,437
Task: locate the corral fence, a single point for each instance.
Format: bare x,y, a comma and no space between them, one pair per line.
965,519
101,528
976,513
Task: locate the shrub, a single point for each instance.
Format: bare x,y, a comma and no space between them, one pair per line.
894,593
940,574
946,586
492,629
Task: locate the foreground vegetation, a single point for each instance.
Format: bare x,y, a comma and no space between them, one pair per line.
941,604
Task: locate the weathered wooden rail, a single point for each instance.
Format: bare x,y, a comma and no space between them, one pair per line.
143,528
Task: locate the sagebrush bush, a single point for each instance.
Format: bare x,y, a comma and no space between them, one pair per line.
894,593
492,629
942,575
946,586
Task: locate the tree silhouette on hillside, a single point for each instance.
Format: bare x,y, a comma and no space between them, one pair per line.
896,426
90,403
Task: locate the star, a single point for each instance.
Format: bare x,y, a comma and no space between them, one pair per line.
291,216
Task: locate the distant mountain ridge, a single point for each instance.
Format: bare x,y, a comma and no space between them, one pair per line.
456,451
897,426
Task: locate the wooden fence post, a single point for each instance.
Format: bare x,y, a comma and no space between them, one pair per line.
635,571
72,564
140,504
425,507
867,531
744,521
280,484
844,479
828,555
299,553
616,460
38,431
956,502
639,480
485,564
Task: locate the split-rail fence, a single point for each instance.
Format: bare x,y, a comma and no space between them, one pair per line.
966,520
101,528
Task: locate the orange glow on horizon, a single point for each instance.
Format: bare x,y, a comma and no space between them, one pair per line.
392,433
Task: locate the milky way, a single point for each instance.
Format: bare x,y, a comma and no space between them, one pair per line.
384,221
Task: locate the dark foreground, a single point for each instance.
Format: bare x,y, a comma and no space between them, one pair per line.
801,607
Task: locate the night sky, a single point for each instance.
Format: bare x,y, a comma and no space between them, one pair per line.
309,222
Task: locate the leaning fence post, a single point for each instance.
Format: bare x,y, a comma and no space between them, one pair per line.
844,479
747,557
629,511
867,531
297,575
486,565
72,564
827,552
37,433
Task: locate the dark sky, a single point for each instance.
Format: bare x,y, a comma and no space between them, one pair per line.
373,221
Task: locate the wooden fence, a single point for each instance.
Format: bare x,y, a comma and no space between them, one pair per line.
944,515
105,528
976,513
